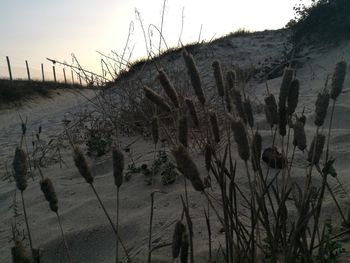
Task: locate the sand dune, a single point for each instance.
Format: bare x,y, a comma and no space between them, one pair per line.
89,234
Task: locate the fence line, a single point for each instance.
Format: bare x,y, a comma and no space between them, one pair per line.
18,71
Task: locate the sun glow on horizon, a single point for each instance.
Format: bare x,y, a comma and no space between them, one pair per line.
41,29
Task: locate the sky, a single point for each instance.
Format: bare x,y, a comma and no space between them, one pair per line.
33,30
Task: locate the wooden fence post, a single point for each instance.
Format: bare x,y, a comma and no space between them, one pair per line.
79,79
9,67
72,77
42,71
54,73
28,73
64,75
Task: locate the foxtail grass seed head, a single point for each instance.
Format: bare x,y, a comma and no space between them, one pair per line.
168,88
192,111
47,188
285,85
177,238
248,112
238,102
282,124
319,141
256,151
155,130
218,78
184,248
299,139
338,79
19,253
240,135
208,152
194,76
20,169
271,111
187,166
118,165
156,99
82,165
183,131
293,96
214,126
321,105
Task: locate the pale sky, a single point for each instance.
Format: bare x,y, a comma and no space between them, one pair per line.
36,29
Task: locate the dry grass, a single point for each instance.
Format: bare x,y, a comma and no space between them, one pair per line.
265,233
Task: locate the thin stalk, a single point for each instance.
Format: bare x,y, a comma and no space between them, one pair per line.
318,211
334,198
110,221
253,211
64,238
117,229
329,130
312,162
28,230
150,230
292,159
154,159
190,228
209,232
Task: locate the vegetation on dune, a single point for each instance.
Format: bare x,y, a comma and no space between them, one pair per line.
19,90
264,212
323,20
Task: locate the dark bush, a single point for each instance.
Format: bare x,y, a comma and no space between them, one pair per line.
323,21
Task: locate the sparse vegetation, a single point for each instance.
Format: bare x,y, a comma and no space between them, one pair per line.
247,189
18,90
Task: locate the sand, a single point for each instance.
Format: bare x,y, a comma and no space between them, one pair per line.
89,235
